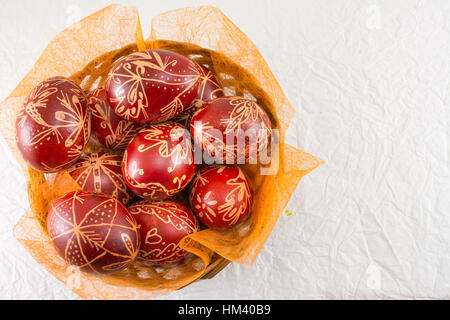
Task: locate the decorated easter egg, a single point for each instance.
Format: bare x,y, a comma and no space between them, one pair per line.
161,226
209,89
221,196
53,126
111,131
152,86
94,232
159,162
232,130
101,173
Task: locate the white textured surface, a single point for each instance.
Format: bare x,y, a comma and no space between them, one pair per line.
370,83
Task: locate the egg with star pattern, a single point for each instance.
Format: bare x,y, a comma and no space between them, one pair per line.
101,172
93,232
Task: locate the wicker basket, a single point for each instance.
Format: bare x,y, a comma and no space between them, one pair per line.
88,60
95,73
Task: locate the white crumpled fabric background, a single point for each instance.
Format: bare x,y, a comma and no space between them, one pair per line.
370,82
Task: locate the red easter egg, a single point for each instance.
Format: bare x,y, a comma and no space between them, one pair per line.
209,89
159,162
94,232
53,126
152,86
161,226
232,130
101,173
111,131
221,196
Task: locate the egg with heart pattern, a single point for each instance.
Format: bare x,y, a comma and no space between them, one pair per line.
162,225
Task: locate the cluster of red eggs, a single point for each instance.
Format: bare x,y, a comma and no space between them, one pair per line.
148,101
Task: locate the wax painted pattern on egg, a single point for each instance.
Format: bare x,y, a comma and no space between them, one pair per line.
221,196
209,89
93,232
162,225
101,173
171,168
152,86
234,116
53,126
111,131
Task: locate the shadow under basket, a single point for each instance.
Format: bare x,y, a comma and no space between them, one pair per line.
95,73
